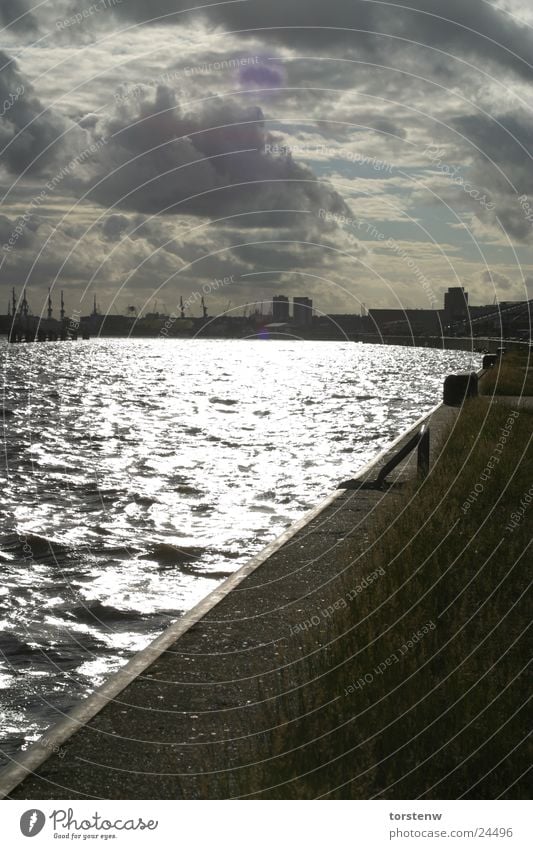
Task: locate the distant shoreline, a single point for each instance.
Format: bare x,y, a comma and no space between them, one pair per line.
451,343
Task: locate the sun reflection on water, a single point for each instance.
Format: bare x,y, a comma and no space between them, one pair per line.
140,473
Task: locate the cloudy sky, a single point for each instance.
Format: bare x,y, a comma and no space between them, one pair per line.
356,151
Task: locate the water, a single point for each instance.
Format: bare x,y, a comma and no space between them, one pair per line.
137,474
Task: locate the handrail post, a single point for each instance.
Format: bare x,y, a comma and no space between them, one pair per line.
423,453
420,441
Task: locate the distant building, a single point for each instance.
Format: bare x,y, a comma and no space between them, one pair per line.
280,308
510,318
302,310
400,322
421,322
346,324
455,304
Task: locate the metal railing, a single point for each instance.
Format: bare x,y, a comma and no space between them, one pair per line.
420,441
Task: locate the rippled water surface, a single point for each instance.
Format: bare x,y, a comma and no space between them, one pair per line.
136,475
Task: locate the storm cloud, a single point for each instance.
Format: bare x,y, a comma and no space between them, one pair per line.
30,134
475,28
211,161
500,147
16,15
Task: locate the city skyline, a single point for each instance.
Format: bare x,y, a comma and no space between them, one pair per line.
279,306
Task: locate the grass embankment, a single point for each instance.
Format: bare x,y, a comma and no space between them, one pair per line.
512,375
368,713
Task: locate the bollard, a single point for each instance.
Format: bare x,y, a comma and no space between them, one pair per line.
457,387
489,361
500,351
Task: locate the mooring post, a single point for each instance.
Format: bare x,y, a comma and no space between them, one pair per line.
489,360
458,387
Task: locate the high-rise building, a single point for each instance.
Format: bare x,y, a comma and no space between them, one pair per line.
280,308
302,310
456,304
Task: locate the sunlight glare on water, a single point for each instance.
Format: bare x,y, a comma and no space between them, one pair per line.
137,474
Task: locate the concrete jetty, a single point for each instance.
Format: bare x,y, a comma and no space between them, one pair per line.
180,709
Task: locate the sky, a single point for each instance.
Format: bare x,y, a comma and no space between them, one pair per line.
362,153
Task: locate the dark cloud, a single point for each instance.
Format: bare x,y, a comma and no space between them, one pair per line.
114,226
211,162
16,15
28,132
262,75
500,148
273,253
24,238
475,27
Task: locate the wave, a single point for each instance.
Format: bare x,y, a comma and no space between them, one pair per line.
167,553
94,611
33,546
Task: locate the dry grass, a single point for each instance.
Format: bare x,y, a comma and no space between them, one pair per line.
513,375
